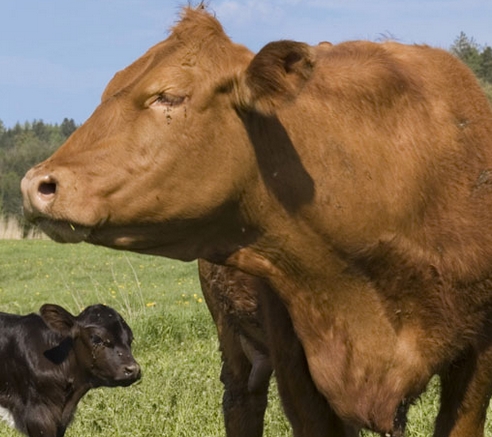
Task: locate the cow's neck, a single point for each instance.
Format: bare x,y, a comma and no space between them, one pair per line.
354,317
73,395
352,325
343,328
68,389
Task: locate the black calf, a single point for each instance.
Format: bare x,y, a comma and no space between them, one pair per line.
49,361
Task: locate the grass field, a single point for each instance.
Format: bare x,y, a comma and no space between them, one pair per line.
180,392
175,339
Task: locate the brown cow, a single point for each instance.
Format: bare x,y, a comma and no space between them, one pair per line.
356,178
256,336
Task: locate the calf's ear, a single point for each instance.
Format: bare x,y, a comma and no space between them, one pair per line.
275,76
57,318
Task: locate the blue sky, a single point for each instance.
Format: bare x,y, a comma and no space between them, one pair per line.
56,56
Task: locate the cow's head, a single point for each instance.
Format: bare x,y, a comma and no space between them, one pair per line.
166,152
101,341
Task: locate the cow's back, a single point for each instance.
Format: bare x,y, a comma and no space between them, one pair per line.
399,147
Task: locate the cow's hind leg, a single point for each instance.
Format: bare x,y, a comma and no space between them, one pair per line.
465,394
245,393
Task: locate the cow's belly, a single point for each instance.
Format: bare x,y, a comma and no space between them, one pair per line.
6,416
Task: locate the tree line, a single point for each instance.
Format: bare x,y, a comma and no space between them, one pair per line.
477,57
21,147
26,144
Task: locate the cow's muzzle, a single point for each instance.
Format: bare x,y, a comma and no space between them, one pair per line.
40,191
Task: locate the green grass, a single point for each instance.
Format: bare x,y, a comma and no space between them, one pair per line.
175,340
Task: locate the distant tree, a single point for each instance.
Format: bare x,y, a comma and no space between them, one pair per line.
468,51
40,130
9,186
477,58
68,127
487,87
21,147
486,67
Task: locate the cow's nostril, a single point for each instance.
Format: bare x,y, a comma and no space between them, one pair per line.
39,190
47,188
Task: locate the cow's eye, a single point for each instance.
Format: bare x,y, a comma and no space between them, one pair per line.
167,100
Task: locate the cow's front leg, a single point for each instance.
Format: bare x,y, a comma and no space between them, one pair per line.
39,422
465,394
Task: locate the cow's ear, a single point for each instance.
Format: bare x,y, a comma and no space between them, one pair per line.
275,76
57,318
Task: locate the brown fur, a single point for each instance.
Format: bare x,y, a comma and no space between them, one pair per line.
255,333
360,190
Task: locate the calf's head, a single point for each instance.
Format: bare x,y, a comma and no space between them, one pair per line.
166,152
101,342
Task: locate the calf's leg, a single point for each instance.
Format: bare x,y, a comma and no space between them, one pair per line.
39,422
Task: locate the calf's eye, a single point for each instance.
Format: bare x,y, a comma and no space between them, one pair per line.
99,341
96,339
